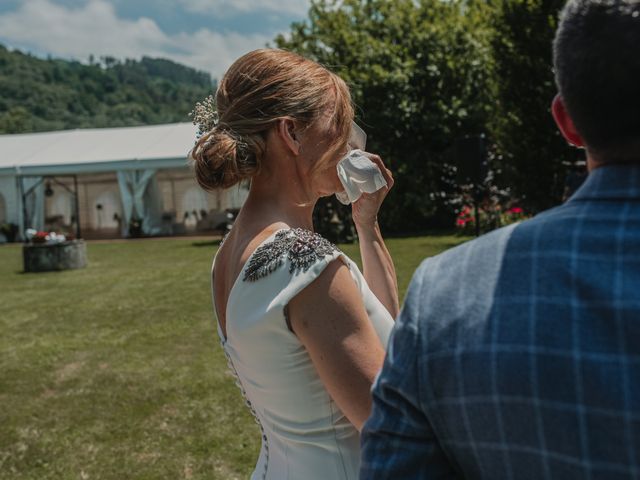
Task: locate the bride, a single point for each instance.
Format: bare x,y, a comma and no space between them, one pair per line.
302,328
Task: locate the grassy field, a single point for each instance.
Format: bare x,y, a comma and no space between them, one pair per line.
115,371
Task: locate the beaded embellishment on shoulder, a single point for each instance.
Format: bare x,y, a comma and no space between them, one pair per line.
302,247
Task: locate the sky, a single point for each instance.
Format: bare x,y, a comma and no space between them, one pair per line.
205,34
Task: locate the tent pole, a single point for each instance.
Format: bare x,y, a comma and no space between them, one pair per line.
77,208
23,234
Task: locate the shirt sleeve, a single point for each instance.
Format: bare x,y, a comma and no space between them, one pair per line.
397,439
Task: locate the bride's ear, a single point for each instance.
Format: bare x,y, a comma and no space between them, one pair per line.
287,131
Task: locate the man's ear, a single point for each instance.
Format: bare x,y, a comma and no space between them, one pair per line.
565,123
286,129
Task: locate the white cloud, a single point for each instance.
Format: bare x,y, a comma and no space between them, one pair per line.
223,8
94,28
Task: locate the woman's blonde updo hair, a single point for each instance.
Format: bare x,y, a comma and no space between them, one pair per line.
259,88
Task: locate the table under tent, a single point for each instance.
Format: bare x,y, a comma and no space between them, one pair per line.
108,183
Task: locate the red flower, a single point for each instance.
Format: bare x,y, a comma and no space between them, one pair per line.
515,210
39,237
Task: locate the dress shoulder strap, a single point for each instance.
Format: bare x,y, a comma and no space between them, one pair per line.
302,248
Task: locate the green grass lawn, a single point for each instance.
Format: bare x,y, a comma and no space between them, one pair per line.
115,371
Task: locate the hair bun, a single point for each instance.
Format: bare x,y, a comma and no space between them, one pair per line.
258,89
221,160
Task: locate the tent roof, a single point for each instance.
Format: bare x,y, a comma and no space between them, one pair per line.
96,149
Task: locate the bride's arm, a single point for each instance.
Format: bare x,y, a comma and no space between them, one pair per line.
377,264
329,318
378,268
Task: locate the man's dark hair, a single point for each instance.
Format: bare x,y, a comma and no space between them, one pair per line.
597,63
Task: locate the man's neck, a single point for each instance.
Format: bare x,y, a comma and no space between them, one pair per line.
593,163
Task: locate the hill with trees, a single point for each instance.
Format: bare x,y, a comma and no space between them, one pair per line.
52,94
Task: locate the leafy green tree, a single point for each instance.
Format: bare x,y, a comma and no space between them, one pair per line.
420,77
534,158
15,120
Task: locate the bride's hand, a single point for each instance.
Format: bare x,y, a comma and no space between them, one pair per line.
365,209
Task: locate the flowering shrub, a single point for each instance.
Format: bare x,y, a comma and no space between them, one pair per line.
491,217
466,216
496,206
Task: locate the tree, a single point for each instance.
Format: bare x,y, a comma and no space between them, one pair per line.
420,76
534,156
15,120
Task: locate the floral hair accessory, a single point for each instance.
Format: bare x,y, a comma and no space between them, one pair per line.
205,116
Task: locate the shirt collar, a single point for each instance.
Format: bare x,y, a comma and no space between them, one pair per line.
611,182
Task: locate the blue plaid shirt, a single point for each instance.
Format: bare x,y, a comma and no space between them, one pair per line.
517,355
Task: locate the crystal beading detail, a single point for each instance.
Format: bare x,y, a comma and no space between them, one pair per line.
302,247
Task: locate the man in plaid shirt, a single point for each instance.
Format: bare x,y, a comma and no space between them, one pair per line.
517,355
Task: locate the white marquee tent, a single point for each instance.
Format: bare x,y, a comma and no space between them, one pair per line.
138,174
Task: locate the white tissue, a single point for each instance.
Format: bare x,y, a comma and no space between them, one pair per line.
358,175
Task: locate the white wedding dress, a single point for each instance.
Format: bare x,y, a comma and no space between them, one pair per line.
305,436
